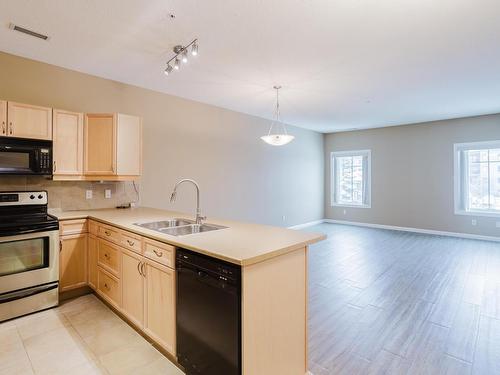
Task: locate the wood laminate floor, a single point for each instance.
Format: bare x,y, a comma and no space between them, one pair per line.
388,302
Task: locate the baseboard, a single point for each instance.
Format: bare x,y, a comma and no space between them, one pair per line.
309,224
415,230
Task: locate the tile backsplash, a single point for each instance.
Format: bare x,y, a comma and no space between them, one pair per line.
70,195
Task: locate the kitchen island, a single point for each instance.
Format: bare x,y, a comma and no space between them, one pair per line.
273,265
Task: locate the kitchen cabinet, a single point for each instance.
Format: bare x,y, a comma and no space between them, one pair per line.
108,287
67,135
108,257
92,261
159,320
3,117
112,146
29,121
133,287
128,145
100,144
73,261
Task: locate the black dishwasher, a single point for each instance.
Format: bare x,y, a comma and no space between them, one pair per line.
208,315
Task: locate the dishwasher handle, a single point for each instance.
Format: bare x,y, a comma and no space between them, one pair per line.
208,278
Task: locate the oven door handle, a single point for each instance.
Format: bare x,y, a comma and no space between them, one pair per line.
28,292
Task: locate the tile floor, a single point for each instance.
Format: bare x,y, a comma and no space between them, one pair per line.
80,337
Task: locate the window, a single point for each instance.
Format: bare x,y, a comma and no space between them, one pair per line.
477,178
351,178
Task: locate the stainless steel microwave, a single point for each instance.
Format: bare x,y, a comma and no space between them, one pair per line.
25,156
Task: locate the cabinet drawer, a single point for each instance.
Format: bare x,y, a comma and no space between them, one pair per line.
73,227
159,252
108,286
93,227
131,242
109,233
109,257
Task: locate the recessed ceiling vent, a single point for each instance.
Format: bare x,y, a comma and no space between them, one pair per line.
28,32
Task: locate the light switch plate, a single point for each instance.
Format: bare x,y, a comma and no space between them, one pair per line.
88,194
107,193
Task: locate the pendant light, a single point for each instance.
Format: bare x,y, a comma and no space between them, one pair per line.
278,138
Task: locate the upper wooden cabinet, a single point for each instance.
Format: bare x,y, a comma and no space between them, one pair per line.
100,144
68,143
3,117
128,145
29,121
112,145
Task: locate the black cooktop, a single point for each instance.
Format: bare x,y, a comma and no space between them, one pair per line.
26,214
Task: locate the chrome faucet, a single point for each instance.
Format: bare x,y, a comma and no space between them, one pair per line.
199,217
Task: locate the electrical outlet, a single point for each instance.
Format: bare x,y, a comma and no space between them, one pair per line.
498,224
283,218
88,194
345,212
107,193
474,222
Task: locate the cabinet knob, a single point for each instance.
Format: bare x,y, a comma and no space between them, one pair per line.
106,286
107,233
3,127
10,130
55,166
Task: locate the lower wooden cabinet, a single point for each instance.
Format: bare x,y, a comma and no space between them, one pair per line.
108,286
73,262
133,287
92,261
159,320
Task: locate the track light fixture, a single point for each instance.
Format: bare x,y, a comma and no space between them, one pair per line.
181,55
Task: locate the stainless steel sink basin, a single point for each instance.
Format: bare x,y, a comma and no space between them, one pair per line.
164,224
179,227
190,229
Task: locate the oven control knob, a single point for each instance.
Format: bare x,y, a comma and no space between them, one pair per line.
32,196
40,196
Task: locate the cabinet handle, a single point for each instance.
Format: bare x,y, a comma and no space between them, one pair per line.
10,130
3,127
158,254
55,166
106,255
131,243
143,269
107,233
139,268
60,245
106,286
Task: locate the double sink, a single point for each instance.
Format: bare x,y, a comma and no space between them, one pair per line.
179,227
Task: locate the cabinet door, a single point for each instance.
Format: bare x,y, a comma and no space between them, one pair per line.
73,262
68,143
3,118
29,121
159,322
92,261
132,287
100,144
128,145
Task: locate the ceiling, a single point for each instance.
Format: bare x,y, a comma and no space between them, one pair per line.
343,64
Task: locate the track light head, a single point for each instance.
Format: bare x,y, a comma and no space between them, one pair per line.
184,56
168,69
177,64
194,49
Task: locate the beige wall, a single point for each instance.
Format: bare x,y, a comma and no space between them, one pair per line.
412,174
241,178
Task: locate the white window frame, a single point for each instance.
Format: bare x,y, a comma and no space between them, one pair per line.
333,178
457,177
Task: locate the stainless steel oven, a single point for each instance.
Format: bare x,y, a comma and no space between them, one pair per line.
29,254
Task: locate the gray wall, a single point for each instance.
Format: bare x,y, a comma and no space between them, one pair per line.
412,174
241,177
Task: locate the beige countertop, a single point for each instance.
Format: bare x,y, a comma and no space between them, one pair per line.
240,243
